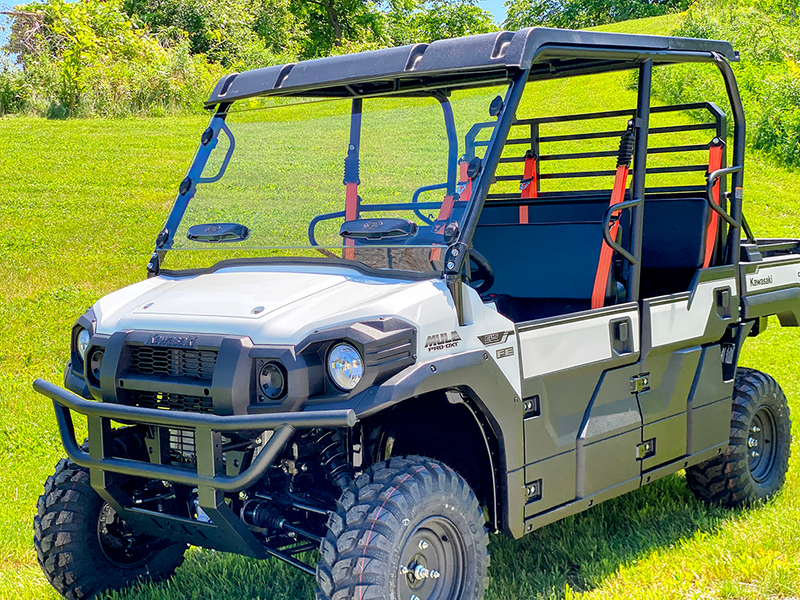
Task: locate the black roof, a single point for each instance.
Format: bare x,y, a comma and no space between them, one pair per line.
464,62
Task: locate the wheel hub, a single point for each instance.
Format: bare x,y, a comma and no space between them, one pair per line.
121,545
432,562
760,444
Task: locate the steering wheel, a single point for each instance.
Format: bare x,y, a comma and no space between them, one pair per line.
480,270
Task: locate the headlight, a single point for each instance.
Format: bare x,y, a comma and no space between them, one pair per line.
272,381
83,343
345,366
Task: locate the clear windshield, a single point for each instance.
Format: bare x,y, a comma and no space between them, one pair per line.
286,181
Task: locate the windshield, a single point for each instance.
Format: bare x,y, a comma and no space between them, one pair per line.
382,181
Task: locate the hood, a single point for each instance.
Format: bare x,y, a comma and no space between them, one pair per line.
270,304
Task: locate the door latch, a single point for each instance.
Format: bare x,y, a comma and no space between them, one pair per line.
640,383
646,449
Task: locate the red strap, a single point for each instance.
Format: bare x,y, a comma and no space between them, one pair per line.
528,187
463,192
350,214
714,163
606,252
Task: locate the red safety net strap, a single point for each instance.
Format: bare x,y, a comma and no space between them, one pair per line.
606,252
715,152
528,187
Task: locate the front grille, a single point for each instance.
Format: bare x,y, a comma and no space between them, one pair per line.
177,362
170,401
182,448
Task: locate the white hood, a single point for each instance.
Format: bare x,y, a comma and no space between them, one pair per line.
270,304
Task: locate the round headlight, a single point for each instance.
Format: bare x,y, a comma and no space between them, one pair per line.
272,381
83,343
345,366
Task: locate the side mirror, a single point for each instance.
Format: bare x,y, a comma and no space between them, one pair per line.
378,229
218,232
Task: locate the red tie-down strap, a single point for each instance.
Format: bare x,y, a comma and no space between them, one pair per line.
626,145
715,151
463,192
528,187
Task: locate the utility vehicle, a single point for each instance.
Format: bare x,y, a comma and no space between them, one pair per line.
491,319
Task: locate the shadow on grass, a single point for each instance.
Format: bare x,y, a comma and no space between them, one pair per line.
580,551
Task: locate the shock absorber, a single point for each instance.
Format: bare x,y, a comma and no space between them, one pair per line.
335,458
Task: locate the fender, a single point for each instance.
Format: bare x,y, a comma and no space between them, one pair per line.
494,399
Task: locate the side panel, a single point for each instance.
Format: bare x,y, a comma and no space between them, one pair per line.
575,374
675,330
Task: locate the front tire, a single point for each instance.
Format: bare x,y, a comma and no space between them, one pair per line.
407,527
84,548
754,467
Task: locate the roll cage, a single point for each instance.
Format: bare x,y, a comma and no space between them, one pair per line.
512,58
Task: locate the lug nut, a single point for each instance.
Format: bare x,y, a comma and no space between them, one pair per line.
423,545
754,454
752,442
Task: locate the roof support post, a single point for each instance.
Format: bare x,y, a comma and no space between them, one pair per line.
737,178
641,127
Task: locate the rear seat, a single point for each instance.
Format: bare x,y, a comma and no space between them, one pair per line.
673,244
543,269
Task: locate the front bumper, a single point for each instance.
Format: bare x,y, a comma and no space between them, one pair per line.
223,529
206,428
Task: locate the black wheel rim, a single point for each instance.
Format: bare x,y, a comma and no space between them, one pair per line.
119,544
432,562
761,444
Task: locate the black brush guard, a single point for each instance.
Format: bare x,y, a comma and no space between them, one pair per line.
224,530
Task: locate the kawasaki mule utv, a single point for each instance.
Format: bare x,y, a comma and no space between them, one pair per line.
499,319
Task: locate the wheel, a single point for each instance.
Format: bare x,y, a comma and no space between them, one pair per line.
82,545
407,528
754,467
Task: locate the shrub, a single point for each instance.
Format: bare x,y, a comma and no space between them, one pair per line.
90,58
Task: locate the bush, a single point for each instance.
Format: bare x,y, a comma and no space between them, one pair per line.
768,39
90,58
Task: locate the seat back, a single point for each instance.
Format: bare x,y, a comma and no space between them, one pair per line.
673,244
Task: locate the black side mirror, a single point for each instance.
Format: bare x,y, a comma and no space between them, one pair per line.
378,229
218,232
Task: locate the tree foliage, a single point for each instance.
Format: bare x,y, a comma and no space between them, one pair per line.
576,14
767,35
147,56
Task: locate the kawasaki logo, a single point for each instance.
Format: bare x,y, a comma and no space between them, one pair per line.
756,281
440,341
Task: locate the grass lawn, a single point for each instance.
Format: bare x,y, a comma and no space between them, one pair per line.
80,206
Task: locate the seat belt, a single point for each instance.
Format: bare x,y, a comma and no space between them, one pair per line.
528,187
463,192
715,151
626,145
351,174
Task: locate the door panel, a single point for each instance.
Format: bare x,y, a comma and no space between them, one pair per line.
577,370
674,329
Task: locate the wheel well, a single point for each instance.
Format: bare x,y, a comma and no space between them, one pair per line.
447,426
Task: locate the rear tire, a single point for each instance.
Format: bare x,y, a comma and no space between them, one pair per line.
82,556
754,467
407,527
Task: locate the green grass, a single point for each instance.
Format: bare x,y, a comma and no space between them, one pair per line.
80,205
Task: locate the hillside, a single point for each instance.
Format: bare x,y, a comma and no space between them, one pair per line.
81,204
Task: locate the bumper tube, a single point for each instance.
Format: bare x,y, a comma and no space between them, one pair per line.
283,425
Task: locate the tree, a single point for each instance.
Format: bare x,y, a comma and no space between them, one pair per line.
576,14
